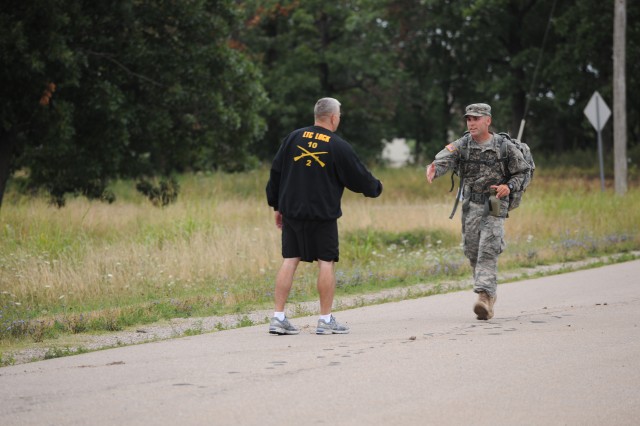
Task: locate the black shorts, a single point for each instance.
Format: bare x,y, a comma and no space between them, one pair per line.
310,239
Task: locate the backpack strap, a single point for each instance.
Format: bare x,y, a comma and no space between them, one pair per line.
464,156
464,152
465,146
503,155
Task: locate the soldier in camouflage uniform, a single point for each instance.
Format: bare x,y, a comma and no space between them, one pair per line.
483,175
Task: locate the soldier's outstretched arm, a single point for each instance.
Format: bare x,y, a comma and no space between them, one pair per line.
431,172
445,160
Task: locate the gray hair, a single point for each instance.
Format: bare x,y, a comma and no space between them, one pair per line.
326,106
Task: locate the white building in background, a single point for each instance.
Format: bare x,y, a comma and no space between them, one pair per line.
397,153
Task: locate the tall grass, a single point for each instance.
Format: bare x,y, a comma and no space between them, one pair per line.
92,266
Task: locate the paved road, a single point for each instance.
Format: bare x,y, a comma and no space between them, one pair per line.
561,350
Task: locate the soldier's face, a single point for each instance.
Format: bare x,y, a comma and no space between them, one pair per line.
478,126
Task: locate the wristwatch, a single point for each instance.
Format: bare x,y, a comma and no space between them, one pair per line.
510,185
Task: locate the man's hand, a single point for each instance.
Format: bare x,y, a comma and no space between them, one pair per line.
279,220
501,190
431,172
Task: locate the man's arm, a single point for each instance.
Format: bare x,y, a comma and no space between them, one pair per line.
354,174
273,185
445,160
431,172
273,189
278,217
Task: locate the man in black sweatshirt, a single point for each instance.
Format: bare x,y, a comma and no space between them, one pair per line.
307,180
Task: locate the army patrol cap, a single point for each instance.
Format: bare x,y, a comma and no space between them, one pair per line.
478,110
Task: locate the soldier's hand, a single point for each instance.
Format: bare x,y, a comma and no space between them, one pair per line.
431,172
501,190
279,220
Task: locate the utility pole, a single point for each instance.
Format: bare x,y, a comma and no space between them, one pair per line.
619,97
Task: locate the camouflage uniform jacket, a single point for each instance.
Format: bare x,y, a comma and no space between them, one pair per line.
479,176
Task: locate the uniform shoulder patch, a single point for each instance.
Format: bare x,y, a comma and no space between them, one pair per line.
451,147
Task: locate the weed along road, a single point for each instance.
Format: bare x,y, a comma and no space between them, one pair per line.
562,349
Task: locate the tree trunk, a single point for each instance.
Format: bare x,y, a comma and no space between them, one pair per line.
419,134
7,145
323,28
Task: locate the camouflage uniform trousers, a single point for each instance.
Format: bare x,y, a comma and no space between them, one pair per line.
483,241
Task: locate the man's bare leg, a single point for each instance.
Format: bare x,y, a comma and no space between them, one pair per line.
284,281
326,285
327,324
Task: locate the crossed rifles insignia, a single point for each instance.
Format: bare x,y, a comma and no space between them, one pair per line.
313,155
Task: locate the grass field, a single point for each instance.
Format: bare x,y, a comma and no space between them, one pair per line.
92,266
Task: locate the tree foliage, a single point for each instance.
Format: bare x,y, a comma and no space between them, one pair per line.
431,41
141,88
417,63
312,49
137,88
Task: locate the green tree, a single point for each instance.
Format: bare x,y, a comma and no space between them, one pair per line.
457,52
314,49
575,62
460,52
431,41
581,64
141,88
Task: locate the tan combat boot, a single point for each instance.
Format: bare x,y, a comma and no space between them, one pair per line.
484,306
492,301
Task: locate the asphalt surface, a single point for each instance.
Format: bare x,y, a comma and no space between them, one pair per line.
563,349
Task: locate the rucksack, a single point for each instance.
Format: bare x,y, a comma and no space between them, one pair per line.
515,197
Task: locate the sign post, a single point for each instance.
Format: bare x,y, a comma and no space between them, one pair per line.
598,113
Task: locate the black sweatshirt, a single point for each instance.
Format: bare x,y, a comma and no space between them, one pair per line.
311,170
